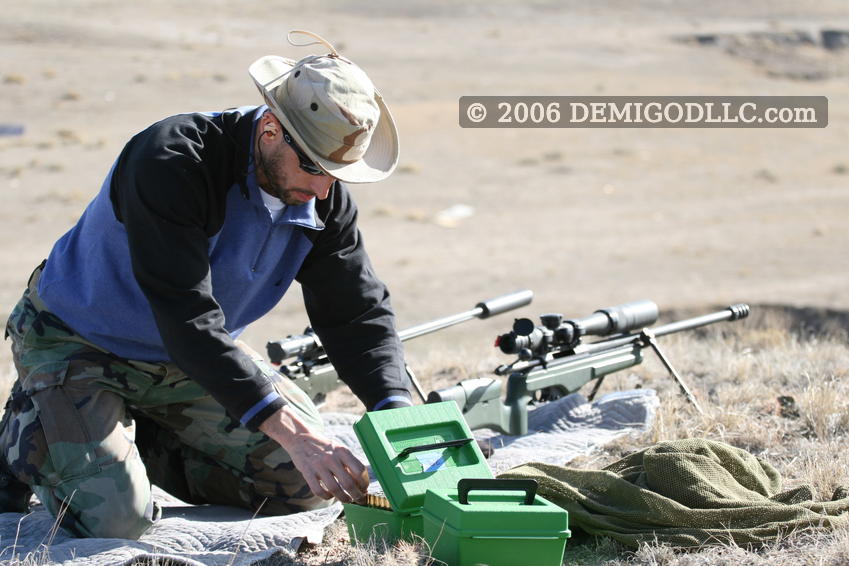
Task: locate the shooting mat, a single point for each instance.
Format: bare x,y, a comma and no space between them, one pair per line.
218,535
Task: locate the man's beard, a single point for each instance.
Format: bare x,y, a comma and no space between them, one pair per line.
270,185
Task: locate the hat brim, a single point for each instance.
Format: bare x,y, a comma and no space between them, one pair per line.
377,162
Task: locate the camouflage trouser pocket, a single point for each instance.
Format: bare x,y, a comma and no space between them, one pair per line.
69,416
70,446
73,444
39,373
61,428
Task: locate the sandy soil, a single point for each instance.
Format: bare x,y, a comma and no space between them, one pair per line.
585,218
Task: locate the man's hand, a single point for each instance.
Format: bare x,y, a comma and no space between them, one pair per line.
330,470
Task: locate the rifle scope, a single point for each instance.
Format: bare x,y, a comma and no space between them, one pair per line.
529,340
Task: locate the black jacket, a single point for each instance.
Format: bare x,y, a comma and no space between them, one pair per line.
169,189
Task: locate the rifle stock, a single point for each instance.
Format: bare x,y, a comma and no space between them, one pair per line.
480,399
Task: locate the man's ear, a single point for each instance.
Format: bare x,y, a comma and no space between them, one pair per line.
270,124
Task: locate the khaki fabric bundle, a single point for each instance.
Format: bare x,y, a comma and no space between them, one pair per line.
685,493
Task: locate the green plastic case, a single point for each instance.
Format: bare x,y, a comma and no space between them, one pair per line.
440,488
371,522
411,450
494,522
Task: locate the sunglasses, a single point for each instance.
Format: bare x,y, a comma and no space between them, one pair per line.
306,164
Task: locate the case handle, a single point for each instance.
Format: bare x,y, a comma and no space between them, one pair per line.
465,485
425,447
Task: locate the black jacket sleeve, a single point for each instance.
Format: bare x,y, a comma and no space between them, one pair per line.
349,306
167,200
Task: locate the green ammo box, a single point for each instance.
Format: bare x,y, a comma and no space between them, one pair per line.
412,449
440,487
495,526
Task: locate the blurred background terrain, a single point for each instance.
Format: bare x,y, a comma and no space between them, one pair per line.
692,219
585,218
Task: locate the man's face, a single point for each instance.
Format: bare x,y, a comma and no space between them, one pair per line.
279,172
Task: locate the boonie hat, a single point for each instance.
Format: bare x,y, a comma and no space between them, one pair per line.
334,112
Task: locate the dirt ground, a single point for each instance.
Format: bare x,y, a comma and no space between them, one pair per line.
585,218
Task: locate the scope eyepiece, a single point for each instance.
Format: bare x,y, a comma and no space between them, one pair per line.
512,343
524,336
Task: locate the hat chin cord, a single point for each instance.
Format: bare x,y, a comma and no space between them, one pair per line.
321,41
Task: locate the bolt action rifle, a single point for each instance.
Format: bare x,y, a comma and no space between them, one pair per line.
303,360
552,361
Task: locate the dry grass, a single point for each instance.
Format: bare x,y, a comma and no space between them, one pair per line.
339,552
738,371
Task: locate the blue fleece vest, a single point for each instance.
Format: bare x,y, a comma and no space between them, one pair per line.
88,280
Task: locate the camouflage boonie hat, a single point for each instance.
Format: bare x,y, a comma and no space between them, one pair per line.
333,111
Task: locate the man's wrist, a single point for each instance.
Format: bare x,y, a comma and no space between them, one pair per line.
261,409
393,402
284,426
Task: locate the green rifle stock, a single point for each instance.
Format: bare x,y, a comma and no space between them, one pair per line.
303,360
552,361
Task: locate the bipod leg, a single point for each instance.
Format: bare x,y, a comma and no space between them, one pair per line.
648,338
596,387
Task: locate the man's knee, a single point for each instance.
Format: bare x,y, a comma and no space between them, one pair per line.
114,503
92,480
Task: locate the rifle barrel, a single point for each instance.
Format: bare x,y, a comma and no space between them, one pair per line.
733,312
484,309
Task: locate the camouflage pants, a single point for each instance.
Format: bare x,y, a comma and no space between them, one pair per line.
89,432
